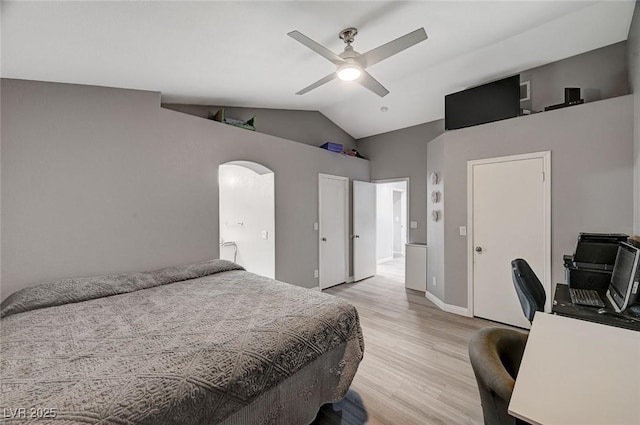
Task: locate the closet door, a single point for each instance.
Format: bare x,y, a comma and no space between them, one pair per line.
364,230
333,229
510,198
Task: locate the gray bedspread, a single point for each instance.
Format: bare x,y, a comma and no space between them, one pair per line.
184,345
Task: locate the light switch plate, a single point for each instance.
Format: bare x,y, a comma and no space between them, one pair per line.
265,234
315,226
315,274
463,230
414,224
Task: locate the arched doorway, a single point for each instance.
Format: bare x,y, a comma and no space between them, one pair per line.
247,216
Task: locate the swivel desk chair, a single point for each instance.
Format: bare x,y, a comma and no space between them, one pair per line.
528,287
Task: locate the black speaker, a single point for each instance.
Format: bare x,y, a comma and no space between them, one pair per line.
571,94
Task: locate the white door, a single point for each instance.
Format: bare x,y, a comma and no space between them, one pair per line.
364,230
509,219
333,230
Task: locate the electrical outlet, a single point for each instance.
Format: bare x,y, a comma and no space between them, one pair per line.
435,283
315,274
413,224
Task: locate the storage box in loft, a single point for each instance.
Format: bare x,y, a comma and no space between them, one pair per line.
333,147
220,117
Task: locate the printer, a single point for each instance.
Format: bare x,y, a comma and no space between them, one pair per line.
591,265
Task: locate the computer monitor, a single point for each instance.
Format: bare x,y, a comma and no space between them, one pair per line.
623,288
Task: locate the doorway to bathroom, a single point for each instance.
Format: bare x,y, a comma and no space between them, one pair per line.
247,216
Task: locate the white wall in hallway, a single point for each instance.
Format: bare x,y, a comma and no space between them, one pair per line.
397,212
384,217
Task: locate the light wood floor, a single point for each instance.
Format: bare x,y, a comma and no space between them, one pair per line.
416,368
392,269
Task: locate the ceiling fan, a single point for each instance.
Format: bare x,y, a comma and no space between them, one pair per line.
351,65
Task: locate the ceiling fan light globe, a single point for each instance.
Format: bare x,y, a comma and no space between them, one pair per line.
349,73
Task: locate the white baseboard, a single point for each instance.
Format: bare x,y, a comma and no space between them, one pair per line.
349,280
455,309
461,311
437,301
385,260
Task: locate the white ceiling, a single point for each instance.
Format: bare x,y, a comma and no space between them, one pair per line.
238,53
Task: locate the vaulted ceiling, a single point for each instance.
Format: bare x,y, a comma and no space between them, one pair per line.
238,53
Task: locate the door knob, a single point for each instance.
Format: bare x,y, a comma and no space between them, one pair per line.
324,239
479,249
357,236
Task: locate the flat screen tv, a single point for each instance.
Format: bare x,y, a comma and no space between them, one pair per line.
478,105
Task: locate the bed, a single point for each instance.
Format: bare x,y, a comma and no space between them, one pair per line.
208,343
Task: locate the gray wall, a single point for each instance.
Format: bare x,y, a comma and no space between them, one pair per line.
309,127
98,180
592,176
600,74
435,230
403,153
633,45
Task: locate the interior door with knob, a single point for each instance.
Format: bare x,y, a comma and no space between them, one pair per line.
509,213
333,230
364,230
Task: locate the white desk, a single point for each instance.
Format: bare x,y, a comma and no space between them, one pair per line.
552,387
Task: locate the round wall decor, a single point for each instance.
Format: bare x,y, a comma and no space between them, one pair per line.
434,178
435,196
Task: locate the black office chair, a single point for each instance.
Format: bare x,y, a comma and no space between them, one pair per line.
495,356
528,287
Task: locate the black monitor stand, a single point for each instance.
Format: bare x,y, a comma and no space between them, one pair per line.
563,306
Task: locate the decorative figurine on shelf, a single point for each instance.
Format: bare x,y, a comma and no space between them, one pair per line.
354,152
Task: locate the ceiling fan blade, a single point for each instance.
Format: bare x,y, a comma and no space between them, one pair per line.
318,83
318,48
367,81
380,53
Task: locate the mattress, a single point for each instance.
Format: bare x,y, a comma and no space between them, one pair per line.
208,343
